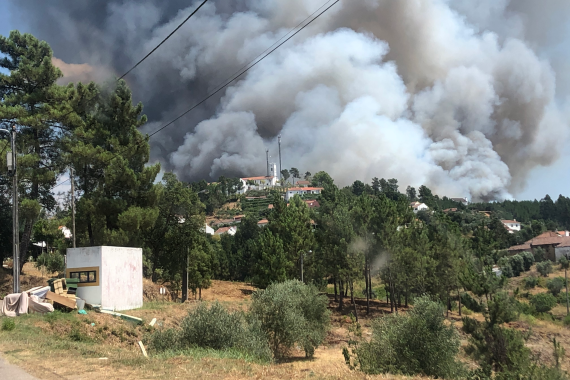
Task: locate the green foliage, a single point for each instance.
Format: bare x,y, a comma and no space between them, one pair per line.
8,324
471,303
502,308
215,328
506,269
556,285
418,342
539,255
517,264
544,268
543,302
291,313
52,262
531,282
528,260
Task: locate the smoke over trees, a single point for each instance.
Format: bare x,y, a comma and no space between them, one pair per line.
462,96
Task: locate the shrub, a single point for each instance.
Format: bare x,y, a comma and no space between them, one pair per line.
418,342
530,282
291,313
8,324
215,328
517,265
543,302
566,320
52,262
471,303
544,268
539,255
528,260
505,266
555,285
526,308
502,309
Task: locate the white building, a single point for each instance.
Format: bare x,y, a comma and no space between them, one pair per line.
260,183
417,206
209,230
463,201
512,225
109,276
291,192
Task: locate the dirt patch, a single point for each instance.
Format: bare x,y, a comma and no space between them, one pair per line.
30,278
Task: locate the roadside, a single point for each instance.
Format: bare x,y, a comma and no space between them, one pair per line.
12,372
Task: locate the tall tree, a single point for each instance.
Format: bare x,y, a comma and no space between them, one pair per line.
411,193
358,188
295,174
307,176
31,99
284,176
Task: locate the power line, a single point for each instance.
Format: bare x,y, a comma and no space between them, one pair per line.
163,41
242,71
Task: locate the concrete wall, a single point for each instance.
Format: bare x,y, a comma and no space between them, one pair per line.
561,252
83,258
121,276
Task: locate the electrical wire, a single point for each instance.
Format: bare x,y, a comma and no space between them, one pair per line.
163,41
240,72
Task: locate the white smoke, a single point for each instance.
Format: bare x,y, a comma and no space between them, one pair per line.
459,95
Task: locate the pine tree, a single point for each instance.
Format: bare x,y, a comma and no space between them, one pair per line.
41,109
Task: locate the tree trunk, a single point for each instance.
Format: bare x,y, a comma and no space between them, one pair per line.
90,231
368,291
448,305
185,281
25,243
352,299
567,304
335,291
459,300
340,302
200,294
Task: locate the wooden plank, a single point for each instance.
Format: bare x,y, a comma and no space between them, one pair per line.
61,300
141,345
152,322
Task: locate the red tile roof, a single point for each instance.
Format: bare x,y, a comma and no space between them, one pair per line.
222,230
304,188
522,247
255,178
263,221
312,204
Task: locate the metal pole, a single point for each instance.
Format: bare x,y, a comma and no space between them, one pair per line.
279,139
15,224
72,205
267,157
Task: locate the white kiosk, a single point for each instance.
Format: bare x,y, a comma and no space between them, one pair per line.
109,276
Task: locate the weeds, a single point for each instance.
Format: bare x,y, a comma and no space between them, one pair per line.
8,324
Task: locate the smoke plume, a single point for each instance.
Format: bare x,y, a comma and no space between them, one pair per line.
466,97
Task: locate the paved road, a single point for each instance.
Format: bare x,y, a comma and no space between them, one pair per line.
12,372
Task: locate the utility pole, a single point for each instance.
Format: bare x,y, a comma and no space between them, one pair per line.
12,166
72,205
279,140
267,156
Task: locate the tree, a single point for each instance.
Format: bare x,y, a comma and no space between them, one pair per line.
284,176
294,173
307,176
411,193
321,179
426,196
270,262
376,185
31,99
357,188
109,156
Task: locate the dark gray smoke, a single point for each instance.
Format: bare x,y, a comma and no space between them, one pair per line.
464,96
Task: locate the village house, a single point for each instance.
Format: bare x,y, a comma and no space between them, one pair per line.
555,244
261,182
463,201
263,223
226,230
512,225
312,203
303,183
291,192
417,206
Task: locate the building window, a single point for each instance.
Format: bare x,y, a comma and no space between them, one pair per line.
85,277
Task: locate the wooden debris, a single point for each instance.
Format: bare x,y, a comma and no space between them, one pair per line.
141,345
67,302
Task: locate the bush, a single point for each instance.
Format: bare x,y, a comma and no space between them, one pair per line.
418,342
215,328
566,320
543,302
8,324
502,309
530,282
526,308
544,268
505,266
52,262
528,260
471,303
291,313
555,285
539,255
517,265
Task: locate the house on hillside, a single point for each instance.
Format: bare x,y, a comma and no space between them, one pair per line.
208,230
263,223
226,230
463,201
291,192
512,225
450,210
312,203
555,244
417,206
303,183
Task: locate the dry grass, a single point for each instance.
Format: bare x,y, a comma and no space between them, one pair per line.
69,347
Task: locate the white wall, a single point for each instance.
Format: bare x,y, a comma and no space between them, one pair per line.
84,258
121,278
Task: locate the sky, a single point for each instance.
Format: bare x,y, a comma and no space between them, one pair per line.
552,180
